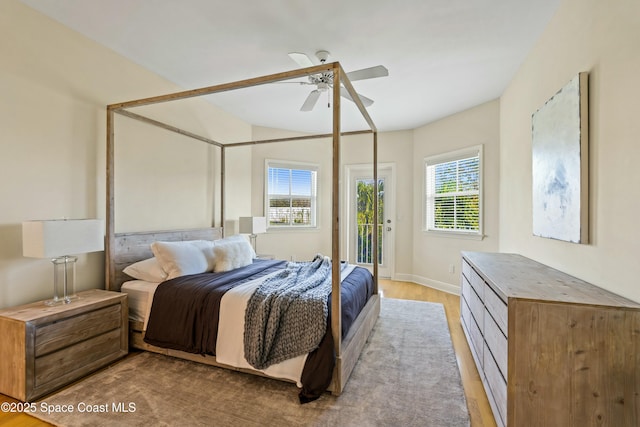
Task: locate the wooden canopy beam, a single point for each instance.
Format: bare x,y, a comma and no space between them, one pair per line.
256,81
297,138
167,127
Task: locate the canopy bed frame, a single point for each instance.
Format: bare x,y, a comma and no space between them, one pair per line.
123,249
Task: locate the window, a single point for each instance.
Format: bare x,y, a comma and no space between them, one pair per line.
291,194
453,192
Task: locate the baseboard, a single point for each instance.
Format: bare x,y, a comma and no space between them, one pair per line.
424,281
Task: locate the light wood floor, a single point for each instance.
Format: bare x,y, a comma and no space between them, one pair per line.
479,408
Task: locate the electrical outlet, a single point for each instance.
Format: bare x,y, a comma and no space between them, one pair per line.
452,268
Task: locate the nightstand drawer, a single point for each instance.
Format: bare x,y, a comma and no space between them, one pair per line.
69,331
64,362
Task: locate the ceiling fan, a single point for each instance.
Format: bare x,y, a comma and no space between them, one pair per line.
324,81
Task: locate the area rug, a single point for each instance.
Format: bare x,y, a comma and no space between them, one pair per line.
407,375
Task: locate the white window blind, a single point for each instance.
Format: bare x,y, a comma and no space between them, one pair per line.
291,194
453,184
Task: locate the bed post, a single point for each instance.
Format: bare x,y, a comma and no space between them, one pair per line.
109,249
222,175
336,303
375,213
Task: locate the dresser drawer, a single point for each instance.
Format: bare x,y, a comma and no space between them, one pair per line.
71,330
477,283
497,343
477,308
465,289
497,308
473,330
466,269
465,313
497,385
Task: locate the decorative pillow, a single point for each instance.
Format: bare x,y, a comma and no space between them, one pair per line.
236,238
148,270
232,253
206,246
180,258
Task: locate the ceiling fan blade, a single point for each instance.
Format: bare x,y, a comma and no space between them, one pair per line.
301,59
365,101
311,100
368,73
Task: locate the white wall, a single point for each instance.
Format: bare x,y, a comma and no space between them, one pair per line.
55,85
433,254
602,38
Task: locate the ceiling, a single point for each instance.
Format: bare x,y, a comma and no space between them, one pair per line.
443,56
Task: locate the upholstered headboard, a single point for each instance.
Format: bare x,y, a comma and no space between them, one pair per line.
136,246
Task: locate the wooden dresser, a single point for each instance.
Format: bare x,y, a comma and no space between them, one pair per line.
44,348
552,350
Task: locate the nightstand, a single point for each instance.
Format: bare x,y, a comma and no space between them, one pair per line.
44,348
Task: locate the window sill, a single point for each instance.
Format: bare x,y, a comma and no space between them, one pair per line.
455,234
293,229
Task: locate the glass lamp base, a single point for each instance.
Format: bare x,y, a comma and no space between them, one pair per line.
64,279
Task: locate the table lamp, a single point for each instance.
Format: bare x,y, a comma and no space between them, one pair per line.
59,240
253,225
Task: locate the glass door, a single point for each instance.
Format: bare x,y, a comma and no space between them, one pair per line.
364,221
360,199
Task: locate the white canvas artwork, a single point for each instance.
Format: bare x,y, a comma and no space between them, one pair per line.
560,160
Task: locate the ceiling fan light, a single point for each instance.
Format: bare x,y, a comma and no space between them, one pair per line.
322,55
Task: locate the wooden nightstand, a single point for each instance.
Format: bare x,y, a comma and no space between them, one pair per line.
44,348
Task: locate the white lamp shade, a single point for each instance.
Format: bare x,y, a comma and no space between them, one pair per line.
253,224
55,238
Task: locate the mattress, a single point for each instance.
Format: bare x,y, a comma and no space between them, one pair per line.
140,296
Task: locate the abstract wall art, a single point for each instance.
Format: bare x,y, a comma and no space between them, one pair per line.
560,139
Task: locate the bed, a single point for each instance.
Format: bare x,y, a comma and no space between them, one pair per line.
125,249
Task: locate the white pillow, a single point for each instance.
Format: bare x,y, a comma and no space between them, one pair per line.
236,238
206,246
232,253
148,270
180,258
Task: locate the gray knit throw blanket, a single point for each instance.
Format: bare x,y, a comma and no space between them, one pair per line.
287,315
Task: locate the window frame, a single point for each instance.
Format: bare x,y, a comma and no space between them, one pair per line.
293,165
452,156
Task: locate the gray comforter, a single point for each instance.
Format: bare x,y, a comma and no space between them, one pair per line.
287,315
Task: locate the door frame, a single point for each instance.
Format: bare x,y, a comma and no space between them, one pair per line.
348,238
